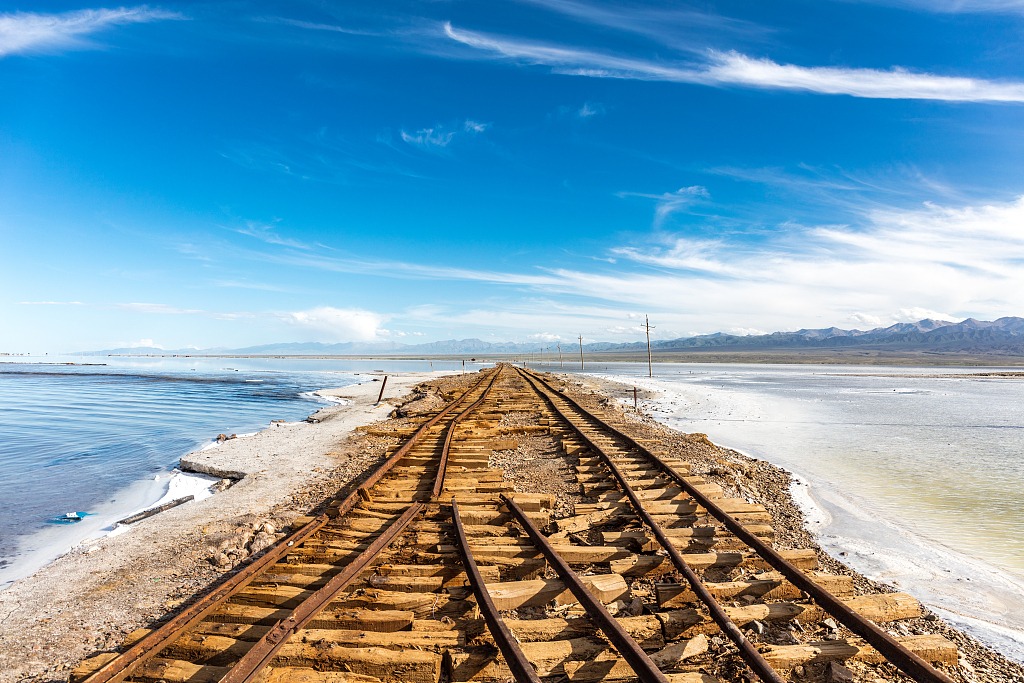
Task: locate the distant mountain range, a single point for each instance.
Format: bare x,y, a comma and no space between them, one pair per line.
1004,336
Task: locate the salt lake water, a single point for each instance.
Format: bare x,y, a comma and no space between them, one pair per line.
104,439
914,476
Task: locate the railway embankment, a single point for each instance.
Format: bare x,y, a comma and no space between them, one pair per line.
689,557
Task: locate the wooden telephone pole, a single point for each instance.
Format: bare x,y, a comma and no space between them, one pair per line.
581,353
650,366
559,346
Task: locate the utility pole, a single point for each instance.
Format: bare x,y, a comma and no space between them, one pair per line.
650,366
581,353
559,345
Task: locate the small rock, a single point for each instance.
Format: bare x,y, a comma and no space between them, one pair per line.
757,627
837,673
617,607
831,623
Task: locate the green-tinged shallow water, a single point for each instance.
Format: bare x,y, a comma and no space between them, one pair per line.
918,478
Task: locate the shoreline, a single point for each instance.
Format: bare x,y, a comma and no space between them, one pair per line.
89,601
833,519
95,594
42,547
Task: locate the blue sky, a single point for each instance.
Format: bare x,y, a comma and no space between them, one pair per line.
234,173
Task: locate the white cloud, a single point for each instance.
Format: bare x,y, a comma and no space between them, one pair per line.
669,24
315,26
266,233
702,256
24,32
669,203
624,330
338,324
144,343
589,109
957,6
428,137
895,264
546,337
734,69
867,319
440,136
912,315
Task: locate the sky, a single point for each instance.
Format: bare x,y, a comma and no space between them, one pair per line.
233,173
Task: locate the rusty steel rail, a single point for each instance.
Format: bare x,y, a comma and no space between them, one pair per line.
263,652
747,650
646,670
516,659
259,656
127,662
442,468
908,662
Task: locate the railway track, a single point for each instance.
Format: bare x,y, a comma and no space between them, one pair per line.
434,568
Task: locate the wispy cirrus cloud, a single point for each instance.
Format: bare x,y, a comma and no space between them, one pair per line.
891,263
956,6
668,203
269,235
664,24
731,68
440,136
319,26
25,32
161,309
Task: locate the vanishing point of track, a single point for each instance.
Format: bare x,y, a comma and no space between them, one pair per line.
434,568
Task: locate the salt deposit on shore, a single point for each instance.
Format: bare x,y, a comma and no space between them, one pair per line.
970,593
92,596
90,599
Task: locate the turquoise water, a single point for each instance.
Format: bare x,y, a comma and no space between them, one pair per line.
78,438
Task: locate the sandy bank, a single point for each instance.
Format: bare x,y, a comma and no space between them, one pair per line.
100,591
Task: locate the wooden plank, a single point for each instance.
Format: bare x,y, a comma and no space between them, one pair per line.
351,618
575,554
645,630
767,585
641,565
880,608
515,594
307,675
933,648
